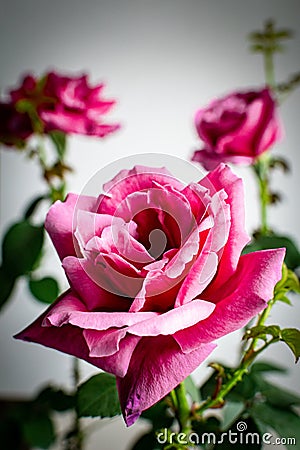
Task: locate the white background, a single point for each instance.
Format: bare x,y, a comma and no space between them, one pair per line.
161,60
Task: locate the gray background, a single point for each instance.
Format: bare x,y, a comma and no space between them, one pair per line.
161,60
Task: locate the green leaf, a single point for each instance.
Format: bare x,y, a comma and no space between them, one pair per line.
292,282
45,290
291,336
21,248
98,397
7,283
147,442
251,433
192,389
263,366
209,425
59,140
244,390
11,434
276,395
208,387
38,431
158,415
33,205
292,257
54,399
285,299
231,412
286,423
261,331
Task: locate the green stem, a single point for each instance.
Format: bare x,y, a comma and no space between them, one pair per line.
269,68
183,408
247,359
261,169
78,435
263,190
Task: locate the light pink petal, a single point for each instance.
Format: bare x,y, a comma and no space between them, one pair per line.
103,343
129,181
90,224
62,309
223,178
61,222
181,261
82,276
157,366
117,239
242,297
102,321
205,266
173,320
158,293
199,275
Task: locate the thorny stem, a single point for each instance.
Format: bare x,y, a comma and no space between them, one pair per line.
78,435
183,409
248,357
261,169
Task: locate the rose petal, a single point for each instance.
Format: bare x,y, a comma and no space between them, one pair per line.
61,222
82,276
157,366
211,160
173,320
223,178
243,296
129,181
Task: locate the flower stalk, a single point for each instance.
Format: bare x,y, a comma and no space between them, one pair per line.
261,169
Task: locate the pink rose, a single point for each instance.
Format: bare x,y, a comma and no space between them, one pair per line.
15,127
68,104
156,276
237,128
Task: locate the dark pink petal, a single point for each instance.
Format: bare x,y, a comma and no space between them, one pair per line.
67,339
241,143
61,222
118,363
242,297
210,160
157,366
66,121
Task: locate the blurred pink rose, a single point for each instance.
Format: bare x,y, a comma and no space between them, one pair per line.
156,276
15,127
67,104
237,128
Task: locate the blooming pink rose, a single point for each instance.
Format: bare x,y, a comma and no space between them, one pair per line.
68,104
237,128
156,276
15,127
